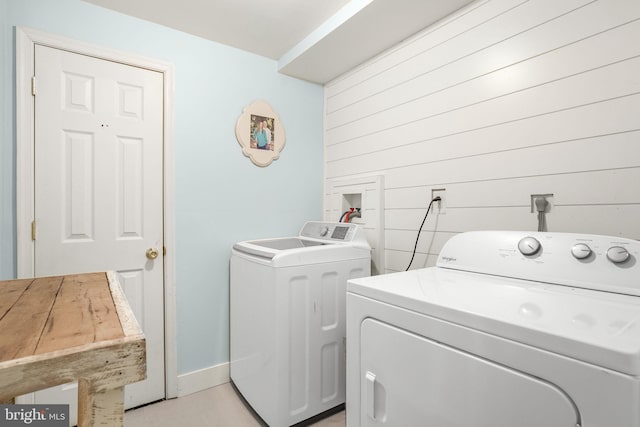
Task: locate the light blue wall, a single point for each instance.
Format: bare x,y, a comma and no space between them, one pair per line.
7,149
221,197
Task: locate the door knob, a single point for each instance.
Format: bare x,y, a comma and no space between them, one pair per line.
152,253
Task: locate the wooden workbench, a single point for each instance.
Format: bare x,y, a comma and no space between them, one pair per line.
56,330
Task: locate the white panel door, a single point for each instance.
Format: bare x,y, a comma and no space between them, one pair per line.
98,187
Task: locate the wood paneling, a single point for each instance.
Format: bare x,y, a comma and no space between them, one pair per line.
499,101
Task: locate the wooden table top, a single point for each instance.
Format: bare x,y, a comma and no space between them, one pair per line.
48,314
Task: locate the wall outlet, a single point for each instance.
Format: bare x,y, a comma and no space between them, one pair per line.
547,196
442,203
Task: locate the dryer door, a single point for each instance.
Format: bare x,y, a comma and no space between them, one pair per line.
409,380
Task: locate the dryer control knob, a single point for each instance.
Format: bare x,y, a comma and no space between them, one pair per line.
529,245
617,254
324,231
580,251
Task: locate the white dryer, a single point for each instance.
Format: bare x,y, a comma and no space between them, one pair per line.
509,329
287,319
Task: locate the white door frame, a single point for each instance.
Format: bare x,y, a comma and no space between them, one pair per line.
26,39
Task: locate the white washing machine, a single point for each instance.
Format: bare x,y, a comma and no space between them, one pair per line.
287,319
509,329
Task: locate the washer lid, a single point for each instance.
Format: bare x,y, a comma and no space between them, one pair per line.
593,326
318,242
268,248
293,251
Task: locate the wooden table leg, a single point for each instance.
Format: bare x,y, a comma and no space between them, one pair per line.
100,408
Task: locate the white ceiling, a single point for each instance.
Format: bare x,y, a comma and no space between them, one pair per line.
315,40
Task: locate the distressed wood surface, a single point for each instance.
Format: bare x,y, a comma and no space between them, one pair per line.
22,324
10,292
109,364
52,313
83,313
58,330
129,323
106,406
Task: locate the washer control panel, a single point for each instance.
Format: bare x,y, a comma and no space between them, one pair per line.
596,262
330,231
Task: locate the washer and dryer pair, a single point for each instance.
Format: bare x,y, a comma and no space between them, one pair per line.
508,329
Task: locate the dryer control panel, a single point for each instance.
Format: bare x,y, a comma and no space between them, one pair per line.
603,263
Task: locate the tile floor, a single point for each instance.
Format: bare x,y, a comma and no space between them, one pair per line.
216,407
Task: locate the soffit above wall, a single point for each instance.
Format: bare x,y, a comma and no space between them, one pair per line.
315,40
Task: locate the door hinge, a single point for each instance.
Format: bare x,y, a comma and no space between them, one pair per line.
33,230
33,85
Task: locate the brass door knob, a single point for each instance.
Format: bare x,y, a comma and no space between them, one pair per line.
152,253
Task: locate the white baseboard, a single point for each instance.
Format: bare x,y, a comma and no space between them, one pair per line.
202,379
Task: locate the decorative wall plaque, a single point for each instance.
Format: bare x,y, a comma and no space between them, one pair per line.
260,133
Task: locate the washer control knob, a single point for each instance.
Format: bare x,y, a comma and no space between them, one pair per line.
617,254
529,245
580,251
324,231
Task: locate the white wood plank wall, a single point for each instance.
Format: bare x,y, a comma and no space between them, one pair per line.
503,99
